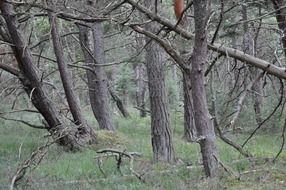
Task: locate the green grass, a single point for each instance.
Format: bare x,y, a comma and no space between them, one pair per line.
80,170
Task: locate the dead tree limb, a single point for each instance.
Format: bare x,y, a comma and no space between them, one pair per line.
118,155
241,101
268,117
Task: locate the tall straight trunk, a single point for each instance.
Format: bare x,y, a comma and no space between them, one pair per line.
162,144
31,81
140,88
93,51
190,133
140,74
203,122
249,48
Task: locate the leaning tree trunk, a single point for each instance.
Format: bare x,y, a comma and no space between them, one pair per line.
93,51
163,149
29,77
119,103
66,80
202,117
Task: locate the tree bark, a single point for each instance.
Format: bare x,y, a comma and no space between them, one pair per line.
64,73
29,77
162,144
190,133
203,122
66,80
93,51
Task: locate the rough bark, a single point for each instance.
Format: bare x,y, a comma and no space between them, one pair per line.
31,80
64,73
67,82
93,51
190,133
163,149
202,117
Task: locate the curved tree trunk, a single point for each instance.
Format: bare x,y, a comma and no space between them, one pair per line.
93,51
31,80
163,149
66,78
203,122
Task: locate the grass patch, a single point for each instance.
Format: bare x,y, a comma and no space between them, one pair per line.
62,170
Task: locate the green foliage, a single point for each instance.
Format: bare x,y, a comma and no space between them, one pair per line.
124,85
42,25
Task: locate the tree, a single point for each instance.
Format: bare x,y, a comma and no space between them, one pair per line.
29,77
163,149
66,77
203,120
93,51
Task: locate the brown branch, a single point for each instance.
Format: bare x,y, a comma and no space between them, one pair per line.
241,100
119,154
9,69
164,44
234,53
267,118
24,122
34,160
16,111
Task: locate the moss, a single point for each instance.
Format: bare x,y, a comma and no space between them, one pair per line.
110,139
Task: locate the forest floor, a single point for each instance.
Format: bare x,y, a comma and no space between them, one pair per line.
89,170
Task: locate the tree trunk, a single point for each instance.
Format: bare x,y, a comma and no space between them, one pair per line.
190,133
29,77
119,104
163,149
93,51
140,74
67,81
248,47
203,122
140,88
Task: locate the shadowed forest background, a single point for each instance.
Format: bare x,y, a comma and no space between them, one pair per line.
148,94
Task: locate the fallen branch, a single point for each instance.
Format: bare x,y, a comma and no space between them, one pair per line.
272,69
34,160
24,122
118,156
241,101
267,118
